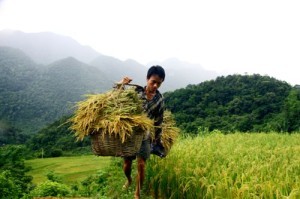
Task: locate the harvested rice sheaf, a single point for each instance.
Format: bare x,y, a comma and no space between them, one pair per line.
116,112
169,131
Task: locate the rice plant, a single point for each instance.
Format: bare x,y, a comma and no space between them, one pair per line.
240,165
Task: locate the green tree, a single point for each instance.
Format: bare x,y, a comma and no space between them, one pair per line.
291,111
12,167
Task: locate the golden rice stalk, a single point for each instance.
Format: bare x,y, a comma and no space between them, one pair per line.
116,112
169,131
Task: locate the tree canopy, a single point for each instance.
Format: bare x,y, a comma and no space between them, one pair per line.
236,103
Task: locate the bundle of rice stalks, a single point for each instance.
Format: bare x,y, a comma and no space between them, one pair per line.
117,113
169,131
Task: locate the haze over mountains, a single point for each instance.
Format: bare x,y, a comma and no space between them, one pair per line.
46,47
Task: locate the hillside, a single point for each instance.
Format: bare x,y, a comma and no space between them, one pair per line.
32,95
236,103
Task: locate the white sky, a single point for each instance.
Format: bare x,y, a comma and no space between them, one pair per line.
229,36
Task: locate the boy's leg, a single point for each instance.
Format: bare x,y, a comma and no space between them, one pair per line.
142,156
127,171
141,163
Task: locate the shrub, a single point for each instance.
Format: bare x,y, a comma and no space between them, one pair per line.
95,185
50,188
53,177
56,153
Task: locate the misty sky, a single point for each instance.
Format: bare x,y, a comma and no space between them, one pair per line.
229,36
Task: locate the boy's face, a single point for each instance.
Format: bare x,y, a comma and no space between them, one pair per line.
153,83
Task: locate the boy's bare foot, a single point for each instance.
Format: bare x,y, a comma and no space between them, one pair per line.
136,196
127,184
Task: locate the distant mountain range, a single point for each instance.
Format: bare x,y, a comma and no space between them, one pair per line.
43,75
46,48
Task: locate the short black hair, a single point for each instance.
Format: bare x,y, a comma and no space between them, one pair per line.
156,70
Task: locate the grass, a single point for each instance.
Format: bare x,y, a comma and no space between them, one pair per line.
70,169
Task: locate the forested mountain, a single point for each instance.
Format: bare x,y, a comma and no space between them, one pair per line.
33,95
236,103
17,70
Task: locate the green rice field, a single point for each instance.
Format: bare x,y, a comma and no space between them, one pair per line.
70,169
256,165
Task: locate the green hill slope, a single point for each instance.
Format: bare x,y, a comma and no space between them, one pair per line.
231,103
33,95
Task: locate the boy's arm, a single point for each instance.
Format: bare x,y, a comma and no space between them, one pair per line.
120,84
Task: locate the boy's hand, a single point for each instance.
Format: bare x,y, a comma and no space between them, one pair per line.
125,80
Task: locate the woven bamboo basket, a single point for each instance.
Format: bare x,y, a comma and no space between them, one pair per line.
104,144
114,120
